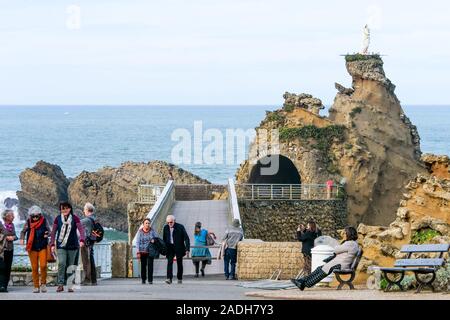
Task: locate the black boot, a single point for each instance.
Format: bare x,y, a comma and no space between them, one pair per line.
315,277
300,283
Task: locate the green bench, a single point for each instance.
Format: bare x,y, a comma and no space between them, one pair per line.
420,266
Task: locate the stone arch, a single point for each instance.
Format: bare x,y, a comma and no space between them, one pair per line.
286,174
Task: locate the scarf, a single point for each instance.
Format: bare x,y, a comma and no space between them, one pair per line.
65,230
9,227
33,227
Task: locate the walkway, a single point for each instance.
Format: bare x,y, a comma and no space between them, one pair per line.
214,217
208,288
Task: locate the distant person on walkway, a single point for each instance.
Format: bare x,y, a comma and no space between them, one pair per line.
65,239
343,257
87,251
330,184
146,250
8,233
36,230
307,236
233,235
178,245
202,255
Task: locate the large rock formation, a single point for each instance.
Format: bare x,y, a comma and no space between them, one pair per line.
422,217
44,185
109,189
367,142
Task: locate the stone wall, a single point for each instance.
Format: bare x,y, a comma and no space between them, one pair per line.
278,220
259,260
198,192
119,256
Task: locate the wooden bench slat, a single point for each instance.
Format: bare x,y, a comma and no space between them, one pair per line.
399,269
419,262
412,248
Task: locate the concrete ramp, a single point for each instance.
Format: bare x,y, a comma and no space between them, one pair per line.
214,216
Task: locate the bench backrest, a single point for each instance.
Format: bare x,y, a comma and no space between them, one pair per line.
357,259
416,248
419,262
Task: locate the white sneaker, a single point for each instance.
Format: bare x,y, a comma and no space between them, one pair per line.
36,290
43,288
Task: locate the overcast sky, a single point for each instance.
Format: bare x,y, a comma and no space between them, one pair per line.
214,52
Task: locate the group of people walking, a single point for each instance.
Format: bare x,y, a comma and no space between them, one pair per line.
43,243
69,236
175,245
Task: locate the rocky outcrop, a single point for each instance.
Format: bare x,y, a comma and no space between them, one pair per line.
109,189
305,101
366,142
112,189
44,185
422,217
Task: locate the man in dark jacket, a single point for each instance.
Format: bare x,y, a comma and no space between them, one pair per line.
307,236
178,245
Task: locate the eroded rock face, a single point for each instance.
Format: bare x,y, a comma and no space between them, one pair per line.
376,154
44,185
110,190
424,209
303,100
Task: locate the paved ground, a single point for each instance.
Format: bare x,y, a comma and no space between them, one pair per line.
360,293
208,288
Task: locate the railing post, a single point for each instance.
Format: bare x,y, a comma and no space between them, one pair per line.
290,192
253,192
271,192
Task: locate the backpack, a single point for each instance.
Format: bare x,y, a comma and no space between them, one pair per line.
97,231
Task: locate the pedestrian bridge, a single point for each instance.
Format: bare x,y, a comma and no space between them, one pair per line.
192,203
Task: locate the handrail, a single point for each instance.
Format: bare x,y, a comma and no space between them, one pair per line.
292,192
157,214
233,201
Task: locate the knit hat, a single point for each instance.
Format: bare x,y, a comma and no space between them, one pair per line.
198,224
236,223
34,210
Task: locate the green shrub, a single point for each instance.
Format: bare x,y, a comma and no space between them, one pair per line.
355,111
275,117
323,137
288,107
361,57
408,282
442,281
424,236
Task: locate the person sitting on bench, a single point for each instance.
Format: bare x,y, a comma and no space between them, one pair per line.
343,257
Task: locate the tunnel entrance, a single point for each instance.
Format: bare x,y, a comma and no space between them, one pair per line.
287,173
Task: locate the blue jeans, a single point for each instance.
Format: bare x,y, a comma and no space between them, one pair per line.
230,257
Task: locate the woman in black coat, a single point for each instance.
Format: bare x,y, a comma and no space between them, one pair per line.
307,236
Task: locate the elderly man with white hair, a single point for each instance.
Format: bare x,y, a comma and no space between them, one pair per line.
178,245
7,237
87,252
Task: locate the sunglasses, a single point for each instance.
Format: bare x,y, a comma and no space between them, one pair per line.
34,216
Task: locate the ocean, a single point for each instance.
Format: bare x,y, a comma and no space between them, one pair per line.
81,138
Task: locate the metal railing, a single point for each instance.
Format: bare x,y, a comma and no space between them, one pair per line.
149,193
102,257
288,192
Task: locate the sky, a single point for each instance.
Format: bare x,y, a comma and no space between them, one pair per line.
208,52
